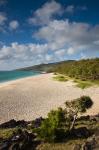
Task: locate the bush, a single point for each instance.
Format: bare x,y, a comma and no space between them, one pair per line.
46,131
51,127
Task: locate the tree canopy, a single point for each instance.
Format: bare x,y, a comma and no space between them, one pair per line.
83,69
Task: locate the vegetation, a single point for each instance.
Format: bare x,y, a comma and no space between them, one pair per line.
79,105
84,72
79,83
83,69
60,123
6,133
60,78
83,84
52,126
69,143
43,67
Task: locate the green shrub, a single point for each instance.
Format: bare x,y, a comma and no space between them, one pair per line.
51,126
47,131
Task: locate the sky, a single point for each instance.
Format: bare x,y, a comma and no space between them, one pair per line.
45,31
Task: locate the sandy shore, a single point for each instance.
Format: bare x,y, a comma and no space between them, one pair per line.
32,97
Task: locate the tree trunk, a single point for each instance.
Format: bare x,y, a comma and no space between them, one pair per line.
73,122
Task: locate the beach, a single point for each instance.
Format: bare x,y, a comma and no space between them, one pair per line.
32,97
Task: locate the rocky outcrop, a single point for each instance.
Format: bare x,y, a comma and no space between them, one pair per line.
22,123
22,140
13,123
82,132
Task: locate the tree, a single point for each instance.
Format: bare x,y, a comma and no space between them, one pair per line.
77,106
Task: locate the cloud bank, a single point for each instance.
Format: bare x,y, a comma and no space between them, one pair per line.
62,39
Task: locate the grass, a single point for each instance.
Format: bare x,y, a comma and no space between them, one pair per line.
60,146
7,133
83,84
60,78
86,84
80,83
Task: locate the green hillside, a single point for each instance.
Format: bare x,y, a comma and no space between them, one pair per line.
83,69
86,69
44,67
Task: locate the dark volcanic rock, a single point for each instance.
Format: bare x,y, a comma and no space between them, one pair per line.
82,132
84,118
37,122
9,124
13,123
5,145
21,140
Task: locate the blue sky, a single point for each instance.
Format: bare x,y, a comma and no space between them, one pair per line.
41,31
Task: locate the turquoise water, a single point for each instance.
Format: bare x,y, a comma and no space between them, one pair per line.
12,75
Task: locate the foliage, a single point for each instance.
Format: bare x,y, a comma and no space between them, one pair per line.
51,127
83,69
56,117
59,122
79,105
60,78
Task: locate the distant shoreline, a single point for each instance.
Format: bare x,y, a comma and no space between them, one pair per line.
13,81
17,78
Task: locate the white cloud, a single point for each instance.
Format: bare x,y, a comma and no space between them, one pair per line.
14,24
49,10
73,36
62,39
22,52
45,14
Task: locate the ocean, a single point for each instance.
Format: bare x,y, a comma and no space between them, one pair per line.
13,75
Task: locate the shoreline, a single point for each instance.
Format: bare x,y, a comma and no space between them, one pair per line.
6,83
31,97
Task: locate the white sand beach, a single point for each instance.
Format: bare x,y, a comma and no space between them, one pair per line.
35,96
